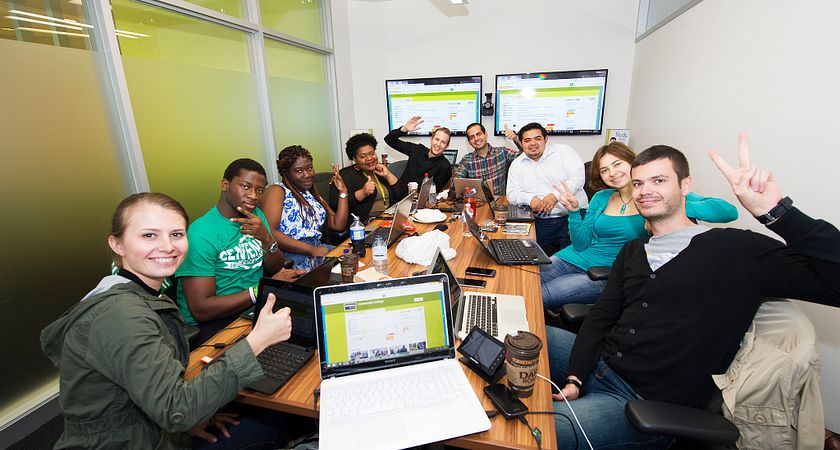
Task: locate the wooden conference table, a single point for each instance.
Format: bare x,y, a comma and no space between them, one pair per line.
296,397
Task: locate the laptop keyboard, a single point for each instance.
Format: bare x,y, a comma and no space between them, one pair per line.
481,311
511,250
280,363
381,231
392,394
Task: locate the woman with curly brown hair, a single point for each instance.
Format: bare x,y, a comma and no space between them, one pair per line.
296,211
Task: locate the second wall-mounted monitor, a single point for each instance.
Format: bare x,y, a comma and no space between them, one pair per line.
563,102
451,102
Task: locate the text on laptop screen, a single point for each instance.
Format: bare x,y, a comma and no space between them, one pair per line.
386,323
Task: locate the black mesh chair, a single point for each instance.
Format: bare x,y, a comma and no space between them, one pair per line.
398,167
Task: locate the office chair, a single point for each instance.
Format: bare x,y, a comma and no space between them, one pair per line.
778,323
398,167
322,184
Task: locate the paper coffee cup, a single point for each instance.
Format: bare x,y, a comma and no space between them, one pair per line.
522,354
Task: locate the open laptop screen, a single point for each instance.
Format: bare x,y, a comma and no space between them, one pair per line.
383,322
439,265
299,300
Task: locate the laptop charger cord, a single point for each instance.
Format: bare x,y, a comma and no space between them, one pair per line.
560,391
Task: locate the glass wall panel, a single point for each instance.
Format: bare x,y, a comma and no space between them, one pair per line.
299,18
194,100
301,105
229,7
62,178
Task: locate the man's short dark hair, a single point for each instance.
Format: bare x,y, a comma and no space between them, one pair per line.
358,141
657,152
483,130
532,126
236,167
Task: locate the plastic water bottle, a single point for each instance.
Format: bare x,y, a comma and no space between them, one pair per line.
425,179
357,236
380,255
432,196
466,225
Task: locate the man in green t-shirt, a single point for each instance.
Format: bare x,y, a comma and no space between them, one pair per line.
220,274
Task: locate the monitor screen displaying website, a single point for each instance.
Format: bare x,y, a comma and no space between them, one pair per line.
562,102
451,102
385,323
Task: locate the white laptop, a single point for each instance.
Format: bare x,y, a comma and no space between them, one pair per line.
497,314
388,369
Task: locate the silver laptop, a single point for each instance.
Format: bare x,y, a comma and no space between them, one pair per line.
461,184
509,252
393,232
497,314
387,359
417,203
516,213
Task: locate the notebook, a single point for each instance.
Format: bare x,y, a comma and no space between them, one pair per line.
284,359
516,213
509,252
395,230
388,369
497,314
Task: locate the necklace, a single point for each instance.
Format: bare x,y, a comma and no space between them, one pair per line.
623,203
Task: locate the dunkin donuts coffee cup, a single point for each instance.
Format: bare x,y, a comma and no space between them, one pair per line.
522,353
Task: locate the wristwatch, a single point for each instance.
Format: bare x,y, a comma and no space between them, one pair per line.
342,195
273,248
777,212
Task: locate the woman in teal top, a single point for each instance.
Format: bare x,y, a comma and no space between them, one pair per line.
611,220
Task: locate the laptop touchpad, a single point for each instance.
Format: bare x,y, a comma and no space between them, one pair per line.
377,433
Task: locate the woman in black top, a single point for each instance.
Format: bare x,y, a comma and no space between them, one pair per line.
371,187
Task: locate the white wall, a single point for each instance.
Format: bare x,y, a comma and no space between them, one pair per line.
769,68
415,38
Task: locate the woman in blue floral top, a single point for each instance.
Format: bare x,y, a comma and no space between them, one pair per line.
297,212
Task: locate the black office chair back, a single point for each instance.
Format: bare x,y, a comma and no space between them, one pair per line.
589,191
322,183
398,167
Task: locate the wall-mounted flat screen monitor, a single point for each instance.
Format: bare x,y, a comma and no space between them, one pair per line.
451,102
563,102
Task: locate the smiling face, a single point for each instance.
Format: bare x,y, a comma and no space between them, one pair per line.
244,190
658,193
614,171
153,243
302,173
440,140
476,137
533,143
365,158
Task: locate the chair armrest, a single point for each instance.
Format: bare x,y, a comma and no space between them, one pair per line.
574,313
652,417
599,273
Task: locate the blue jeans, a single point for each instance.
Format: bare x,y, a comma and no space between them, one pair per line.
600,410
307,262
258,429
564,283
552,233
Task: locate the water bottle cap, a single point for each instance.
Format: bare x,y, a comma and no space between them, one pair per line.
346,250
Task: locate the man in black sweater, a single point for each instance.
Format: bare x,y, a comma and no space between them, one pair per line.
422,159
678,303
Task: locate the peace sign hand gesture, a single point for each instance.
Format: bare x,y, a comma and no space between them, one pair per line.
252,225
569,201
755,188
337,180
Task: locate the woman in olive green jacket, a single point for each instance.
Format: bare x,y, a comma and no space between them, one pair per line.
122,350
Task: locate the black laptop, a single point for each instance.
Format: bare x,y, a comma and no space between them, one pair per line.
284,359
510,252
319,276
516,213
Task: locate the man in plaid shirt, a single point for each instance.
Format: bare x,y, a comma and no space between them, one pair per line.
487,162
